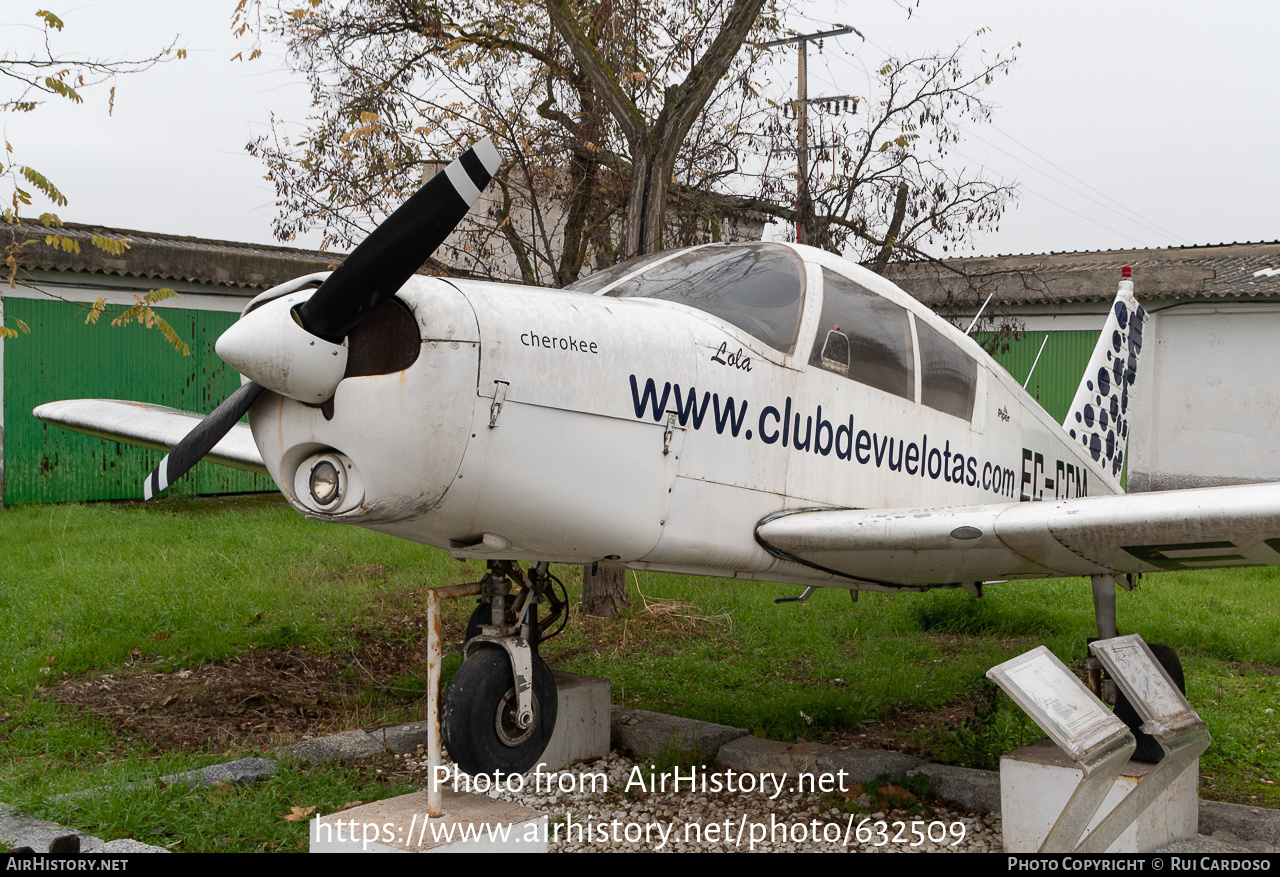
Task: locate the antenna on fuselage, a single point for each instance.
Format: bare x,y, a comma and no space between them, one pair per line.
1036,361
979,313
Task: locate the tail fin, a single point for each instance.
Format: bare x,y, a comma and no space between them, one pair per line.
1098,417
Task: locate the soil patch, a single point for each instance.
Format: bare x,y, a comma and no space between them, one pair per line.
261,698
909,730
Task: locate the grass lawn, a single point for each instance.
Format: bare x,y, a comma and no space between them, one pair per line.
183,586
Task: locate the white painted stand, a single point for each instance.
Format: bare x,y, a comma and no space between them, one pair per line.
1037,780
470,824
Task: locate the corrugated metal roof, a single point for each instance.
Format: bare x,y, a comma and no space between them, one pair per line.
171,257
166,257
1216,271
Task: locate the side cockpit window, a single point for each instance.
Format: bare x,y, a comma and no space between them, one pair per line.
835,351
948,375
864,337
757,287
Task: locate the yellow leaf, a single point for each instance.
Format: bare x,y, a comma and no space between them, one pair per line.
6,332
57,86
157,295
50,19
95,310
112,246
296,813
42,183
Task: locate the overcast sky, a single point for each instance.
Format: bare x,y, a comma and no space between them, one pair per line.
1125,124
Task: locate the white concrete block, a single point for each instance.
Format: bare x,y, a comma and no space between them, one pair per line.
1037,780
582,722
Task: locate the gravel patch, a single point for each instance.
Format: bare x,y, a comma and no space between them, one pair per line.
624,813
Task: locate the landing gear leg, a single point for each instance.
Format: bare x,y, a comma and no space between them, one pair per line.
501,707
1104,609
1104,605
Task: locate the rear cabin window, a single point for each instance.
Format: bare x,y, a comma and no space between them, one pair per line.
948,375
864,337
757,287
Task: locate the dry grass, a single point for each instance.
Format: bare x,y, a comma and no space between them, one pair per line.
673,609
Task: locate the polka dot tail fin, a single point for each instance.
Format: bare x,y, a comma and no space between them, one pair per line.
1099,413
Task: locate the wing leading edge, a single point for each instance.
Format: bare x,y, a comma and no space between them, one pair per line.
151,426
1207,528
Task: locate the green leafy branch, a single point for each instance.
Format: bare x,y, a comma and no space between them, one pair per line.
142,313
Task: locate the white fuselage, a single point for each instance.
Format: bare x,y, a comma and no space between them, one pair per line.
554,425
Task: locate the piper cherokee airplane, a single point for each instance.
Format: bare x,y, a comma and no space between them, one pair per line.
760,411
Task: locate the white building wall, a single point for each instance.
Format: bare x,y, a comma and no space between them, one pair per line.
1211,412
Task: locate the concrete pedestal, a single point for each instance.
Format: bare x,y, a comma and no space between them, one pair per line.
582,721
470,824
1037,780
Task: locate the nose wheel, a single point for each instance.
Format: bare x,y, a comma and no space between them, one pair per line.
481,721
500,709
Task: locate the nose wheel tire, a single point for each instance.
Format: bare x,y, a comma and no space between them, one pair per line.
478,717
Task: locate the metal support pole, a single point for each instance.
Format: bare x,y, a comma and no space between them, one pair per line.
804,205
804,200
1179,753
435,806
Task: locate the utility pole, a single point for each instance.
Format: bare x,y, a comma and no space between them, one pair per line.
804,201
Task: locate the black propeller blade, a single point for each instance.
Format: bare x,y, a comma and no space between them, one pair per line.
395,249
367,278
200,441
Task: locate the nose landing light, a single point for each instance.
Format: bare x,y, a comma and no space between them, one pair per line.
328,483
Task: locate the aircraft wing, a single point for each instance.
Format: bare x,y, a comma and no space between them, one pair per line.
1135,533
151,426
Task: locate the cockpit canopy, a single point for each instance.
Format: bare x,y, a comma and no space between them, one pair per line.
758,287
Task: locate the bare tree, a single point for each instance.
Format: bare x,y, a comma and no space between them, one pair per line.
882,184
588,124
654,140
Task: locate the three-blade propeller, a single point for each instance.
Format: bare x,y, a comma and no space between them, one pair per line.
365,280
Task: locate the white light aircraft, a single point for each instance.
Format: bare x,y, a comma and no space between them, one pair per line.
760,411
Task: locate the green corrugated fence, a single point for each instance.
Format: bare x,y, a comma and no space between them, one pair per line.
62,358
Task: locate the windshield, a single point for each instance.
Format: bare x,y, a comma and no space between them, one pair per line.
757,287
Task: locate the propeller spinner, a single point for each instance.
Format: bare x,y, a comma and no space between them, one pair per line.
294,346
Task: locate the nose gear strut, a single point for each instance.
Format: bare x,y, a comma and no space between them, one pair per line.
501,707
